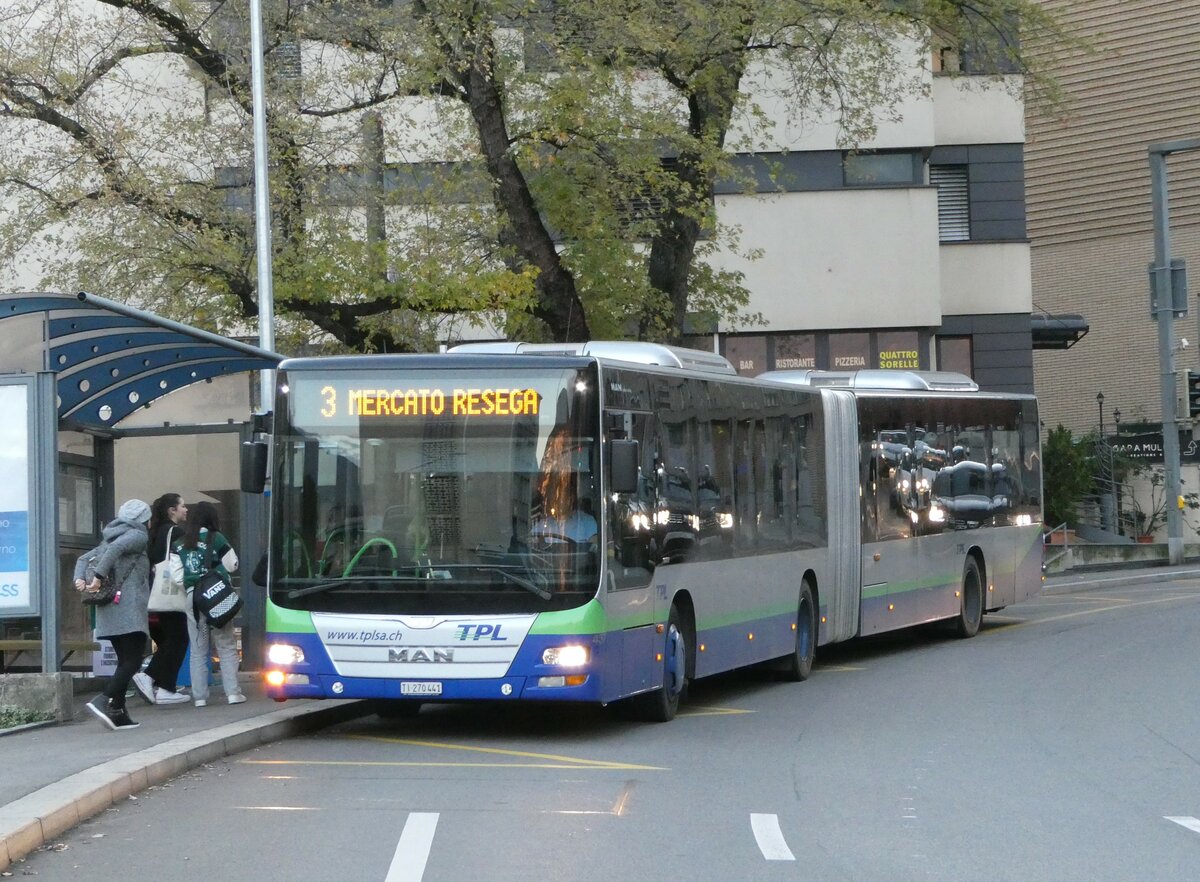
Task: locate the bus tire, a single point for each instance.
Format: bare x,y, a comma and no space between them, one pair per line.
397,710
661,705
798,665
970,612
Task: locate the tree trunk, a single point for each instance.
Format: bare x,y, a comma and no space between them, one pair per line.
674,246
558,303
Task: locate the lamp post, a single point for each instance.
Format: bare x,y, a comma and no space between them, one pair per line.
262,205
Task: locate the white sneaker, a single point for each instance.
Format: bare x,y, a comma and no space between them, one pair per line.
144,686
200,702
237,698
162,696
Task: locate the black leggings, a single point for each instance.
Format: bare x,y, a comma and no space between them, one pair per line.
129,648
170,634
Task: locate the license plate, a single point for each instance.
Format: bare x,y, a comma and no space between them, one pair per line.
420,688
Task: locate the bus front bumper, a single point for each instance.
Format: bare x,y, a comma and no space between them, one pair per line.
541,688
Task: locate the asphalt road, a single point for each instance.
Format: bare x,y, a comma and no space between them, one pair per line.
1062,743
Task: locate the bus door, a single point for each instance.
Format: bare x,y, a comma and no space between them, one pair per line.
632,552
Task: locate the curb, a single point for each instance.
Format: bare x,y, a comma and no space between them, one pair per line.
34,820
25,727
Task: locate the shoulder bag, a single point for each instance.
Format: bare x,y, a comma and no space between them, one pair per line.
107,592
166,595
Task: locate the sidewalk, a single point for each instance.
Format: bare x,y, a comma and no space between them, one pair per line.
1081,579
52,777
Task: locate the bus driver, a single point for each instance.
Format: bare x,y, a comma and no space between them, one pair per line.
566,521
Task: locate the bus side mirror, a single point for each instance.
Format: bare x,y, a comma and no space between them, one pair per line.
254,466
623,465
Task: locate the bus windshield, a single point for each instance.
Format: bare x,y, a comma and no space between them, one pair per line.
436,491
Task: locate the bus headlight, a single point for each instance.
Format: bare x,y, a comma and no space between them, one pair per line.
567,656
284,654
937,514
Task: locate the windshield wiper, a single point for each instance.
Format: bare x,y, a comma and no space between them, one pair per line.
322,587
504,570
518,580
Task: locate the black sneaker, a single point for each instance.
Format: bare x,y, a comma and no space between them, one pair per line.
99,707
120,719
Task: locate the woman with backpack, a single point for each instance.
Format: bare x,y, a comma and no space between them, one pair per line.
201,548
120,560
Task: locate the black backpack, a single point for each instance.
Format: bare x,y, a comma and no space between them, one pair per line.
213,596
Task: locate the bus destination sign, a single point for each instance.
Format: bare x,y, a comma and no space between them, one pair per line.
364,402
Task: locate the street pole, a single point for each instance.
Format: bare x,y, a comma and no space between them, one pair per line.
262,205
1164,313
1106,518
1112,471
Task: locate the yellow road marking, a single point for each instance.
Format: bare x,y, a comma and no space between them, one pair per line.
549,757
701,711
841,669
458,765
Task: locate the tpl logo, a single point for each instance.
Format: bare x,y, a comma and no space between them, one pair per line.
475,633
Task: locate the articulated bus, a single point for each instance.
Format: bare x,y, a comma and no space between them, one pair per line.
604,522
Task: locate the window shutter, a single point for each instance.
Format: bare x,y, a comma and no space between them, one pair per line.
954,205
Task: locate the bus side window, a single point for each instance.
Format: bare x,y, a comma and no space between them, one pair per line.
631,551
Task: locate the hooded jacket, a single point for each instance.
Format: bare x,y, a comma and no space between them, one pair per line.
122,558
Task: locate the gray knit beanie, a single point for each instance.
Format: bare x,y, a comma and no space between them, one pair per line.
134,510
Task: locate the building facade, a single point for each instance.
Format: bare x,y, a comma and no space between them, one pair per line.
1089,197
911,252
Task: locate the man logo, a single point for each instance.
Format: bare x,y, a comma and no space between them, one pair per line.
420,654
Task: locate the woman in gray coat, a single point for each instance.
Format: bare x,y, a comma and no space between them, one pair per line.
121,558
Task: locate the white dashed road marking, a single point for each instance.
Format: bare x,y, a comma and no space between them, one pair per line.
770,838
412,851
1191,823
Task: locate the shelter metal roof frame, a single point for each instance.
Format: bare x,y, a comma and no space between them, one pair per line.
112,359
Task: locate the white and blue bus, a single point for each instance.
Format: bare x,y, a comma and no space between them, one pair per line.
604,522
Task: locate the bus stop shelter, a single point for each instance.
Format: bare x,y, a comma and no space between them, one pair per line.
83,364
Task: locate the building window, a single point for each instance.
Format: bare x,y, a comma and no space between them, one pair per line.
954,354
879,169
954,206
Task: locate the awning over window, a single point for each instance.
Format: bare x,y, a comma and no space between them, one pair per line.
1057,331
112,359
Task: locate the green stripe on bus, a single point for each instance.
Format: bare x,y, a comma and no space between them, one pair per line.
587,619
289,621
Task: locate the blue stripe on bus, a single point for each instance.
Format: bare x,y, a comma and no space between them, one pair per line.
730,646
623,663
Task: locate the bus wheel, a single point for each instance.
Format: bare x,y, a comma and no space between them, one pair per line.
970,612
661,705
397,710
798,665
